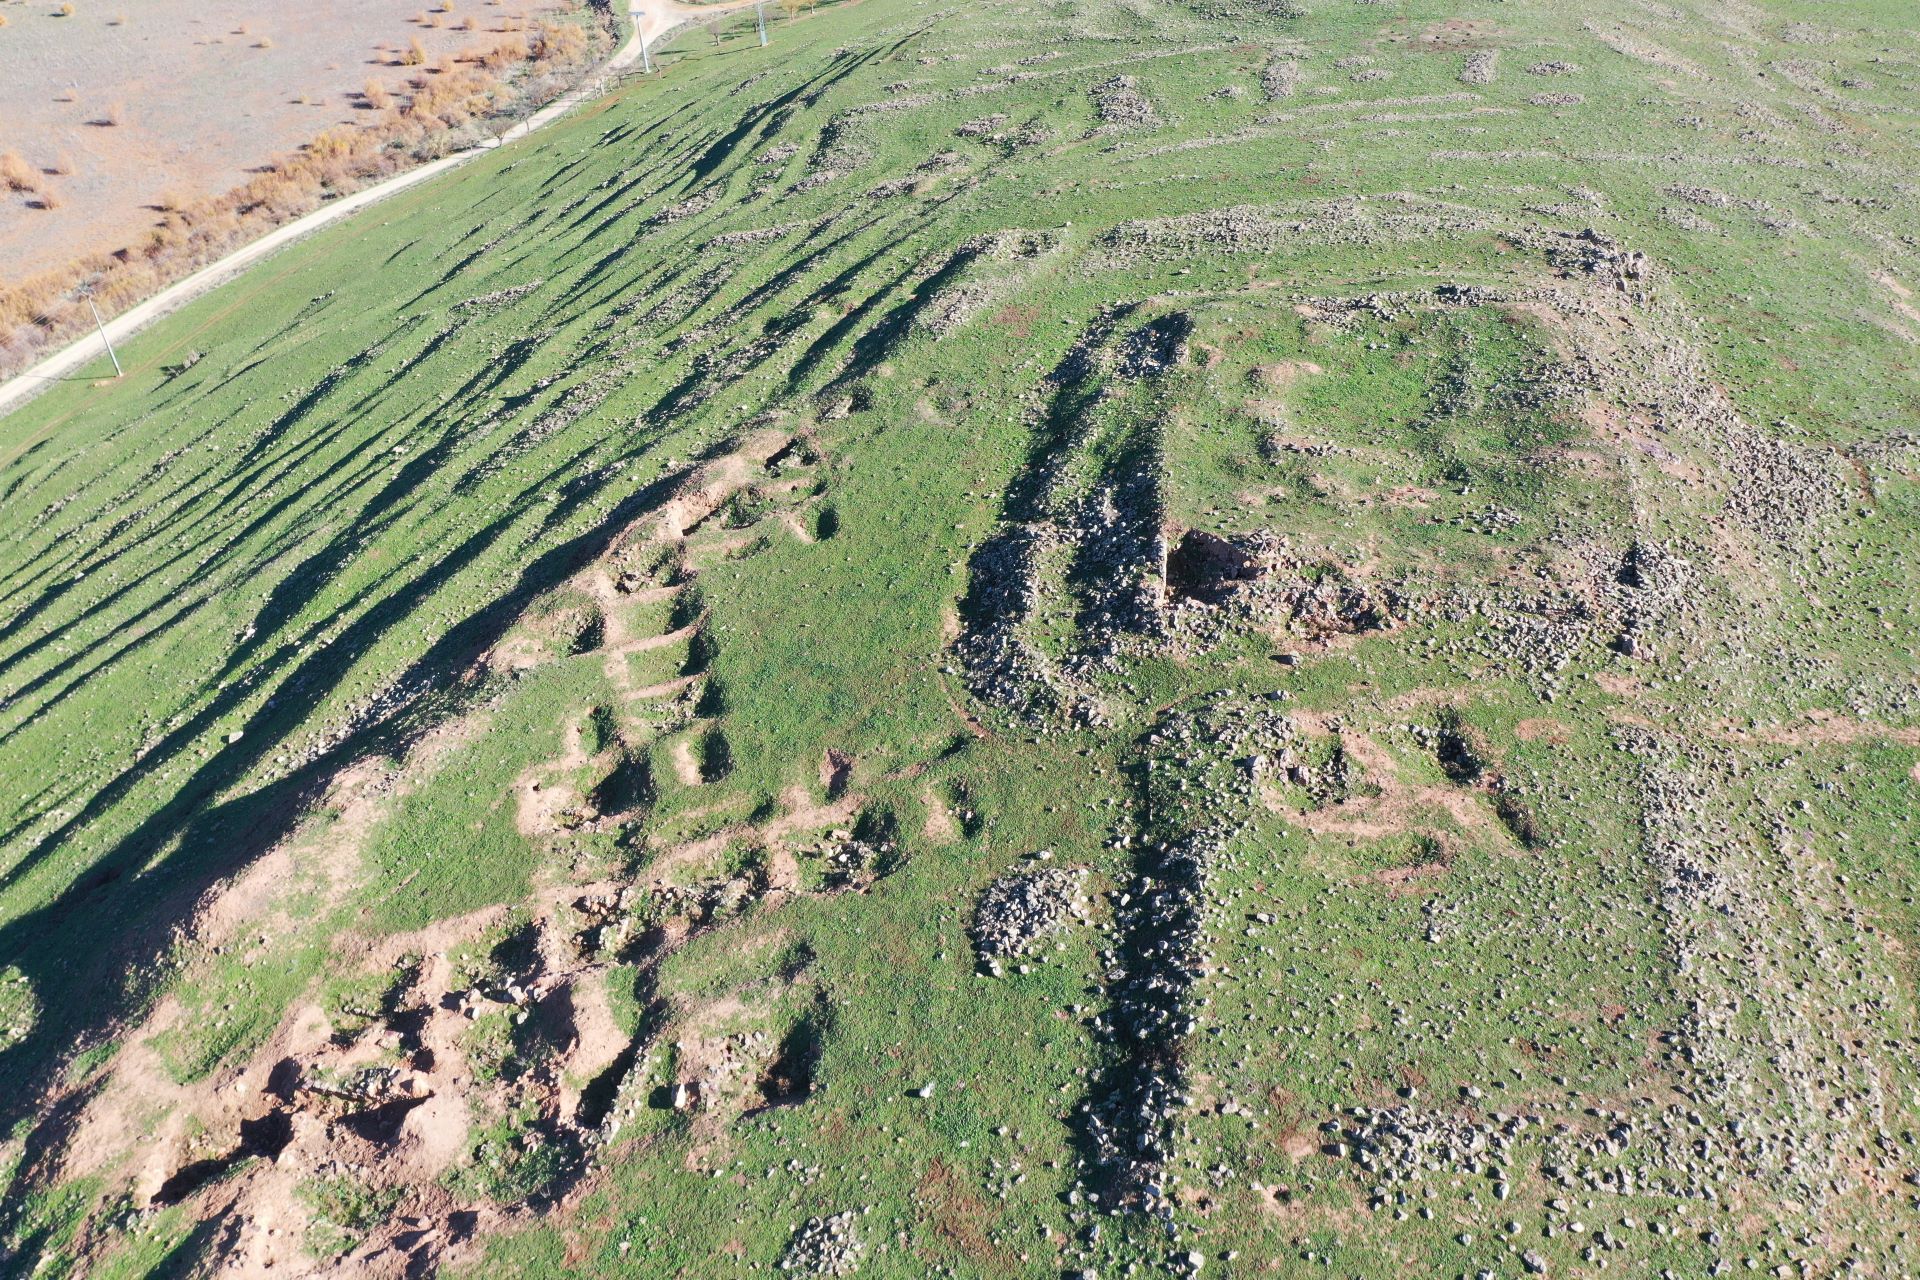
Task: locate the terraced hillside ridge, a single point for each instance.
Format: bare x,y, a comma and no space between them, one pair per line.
1098,639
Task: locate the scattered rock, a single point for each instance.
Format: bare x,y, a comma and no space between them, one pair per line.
825,1247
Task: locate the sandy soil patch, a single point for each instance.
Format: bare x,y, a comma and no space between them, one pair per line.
1280,376
1543,729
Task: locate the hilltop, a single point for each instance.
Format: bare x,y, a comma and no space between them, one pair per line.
1116,638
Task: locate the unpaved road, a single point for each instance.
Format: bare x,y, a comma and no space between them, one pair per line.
651,21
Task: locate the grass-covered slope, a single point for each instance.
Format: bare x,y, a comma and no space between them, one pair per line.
1002,640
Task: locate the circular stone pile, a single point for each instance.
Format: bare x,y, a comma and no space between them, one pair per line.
1021,910
825,1247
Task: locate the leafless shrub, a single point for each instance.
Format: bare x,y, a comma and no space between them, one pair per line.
557,42
504,54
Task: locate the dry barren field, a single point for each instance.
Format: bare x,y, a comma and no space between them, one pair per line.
119,109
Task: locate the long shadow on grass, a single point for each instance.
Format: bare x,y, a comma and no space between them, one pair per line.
290,595
622,197
90,977
763,295
392,502
824,346
764,117
618,252
727,145
257,468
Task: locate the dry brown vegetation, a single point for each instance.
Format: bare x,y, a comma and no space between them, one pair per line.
557,43
504,54
36,312
16,174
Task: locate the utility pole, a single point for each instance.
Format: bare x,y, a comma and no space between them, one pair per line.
101,326
760,17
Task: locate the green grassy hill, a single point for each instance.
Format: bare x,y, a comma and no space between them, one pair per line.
1122,637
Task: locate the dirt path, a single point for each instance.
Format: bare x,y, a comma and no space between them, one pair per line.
652,21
